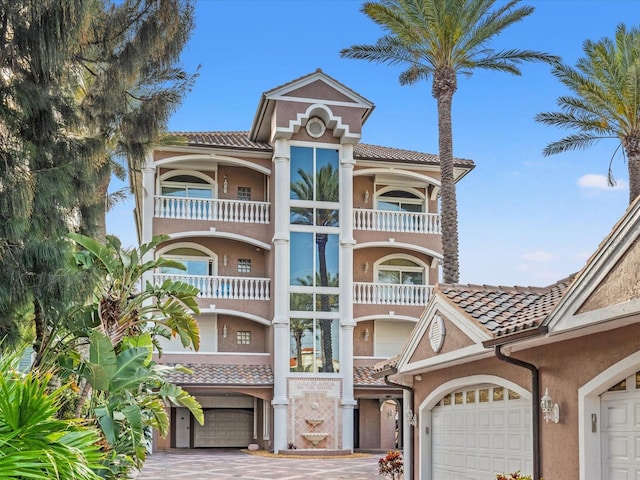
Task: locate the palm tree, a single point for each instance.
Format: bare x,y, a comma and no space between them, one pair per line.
606,101
441,39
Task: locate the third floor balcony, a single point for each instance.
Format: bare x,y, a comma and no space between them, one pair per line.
396,221
221,210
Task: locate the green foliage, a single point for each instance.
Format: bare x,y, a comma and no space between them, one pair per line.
34,443
119,308
438,40
128,389
605,100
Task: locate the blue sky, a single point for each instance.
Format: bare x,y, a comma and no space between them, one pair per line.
524,219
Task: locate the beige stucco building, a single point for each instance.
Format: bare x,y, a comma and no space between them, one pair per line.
315,256
542,380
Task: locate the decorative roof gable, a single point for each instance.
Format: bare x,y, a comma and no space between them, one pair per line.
607,289
283,110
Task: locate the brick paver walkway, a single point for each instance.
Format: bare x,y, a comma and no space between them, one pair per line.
220,464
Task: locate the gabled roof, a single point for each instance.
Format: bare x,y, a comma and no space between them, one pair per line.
502,311
364,152
264,112
608,286
604,294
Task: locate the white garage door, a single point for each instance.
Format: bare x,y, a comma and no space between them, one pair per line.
480,431
620,414
224,428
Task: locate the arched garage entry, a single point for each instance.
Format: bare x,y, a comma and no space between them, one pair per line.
474,428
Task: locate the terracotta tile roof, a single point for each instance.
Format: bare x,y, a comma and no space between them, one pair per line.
236,140
363,377
387,364
224,374
252,375
362,151
506,310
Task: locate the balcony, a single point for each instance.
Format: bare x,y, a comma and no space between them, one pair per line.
234,288
185,208
390,221
390,294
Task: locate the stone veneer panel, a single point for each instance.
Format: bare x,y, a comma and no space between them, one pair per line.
315,398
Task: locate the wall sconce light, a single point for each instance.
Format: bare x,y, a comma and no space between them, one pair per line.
417,378
366,196
225,332
365,267
225,260
225,184
366,335
550,410
411,418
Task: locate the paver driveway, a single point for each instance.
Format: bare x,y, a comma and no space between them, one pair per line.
210,464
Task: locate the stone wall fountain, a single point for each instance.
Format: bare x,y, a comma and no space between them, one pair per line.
314,437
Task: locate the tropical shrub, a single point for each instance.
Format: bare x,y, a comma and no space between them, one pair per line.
106,348
391,466
514,476
34,443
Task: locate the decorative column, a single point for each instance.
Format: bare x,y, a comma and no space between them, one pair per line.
148,210
407,433
280,293
347,324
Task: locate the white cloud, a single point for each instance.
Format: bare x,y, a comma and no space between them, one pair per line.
600,182
538,256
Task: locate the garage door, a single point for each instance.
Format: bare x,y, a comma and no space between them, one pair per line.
480,431
224,428
620,414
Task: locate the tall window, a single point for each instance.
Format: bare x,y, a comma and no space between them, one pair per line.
186,196
314,262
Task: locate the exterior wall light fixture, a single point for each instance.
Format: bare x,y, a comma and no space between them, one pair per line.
225,332
225,260
411,418
366,335
550,410
365,267
366,196
225,184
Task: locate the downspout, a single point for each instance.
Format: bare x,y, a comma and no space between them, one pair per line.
535,407
406,448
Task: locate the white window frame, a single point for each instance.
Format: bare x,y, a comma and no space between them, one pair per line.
211,256
421,200
422,267
165,181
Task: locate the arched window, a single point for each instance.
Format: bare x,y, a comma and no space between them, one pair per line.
197,262
400,201
187,186
400,270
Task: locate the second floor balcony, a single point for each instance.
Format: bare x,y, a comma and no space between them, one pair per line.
223,210
391,294
223,287
396,221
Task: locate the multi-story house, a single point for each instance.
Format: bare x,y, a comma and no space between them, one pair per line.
315,256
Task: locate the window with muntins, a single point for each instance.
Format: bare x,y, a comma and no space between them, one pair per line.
314,260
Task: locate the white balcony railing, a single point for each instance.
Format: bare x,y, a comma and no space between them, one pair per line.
237,288
388,294
214,210
386,221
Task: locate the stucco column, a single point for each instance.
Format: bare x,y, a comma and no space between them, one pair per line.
148,210
280,294
407,434
346,293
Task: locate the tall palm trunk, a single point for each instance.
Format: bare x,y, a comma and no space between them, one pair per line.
632,149
444,86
